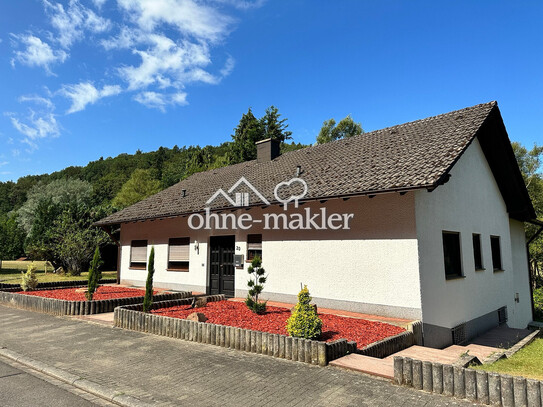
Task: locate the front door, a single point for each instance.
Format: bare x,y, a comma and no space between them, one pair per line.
221,273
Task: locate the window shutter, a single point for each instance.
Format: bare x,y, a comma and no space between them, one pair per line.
179,249
254,242
138,252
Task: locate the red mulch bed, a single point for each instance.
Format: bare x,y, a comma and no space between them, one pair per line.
334,327
104,292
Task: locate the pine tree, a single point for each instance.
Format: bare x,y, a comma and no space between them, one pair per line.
255,285
148,300
94,274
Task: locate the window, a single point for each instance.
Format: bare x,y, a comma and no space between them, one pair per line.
496,253
451,253
178,254
254,246
138,254
477,257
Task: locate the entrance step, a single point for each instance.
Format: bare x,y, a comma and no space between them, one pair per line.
366,364
482,352
429,354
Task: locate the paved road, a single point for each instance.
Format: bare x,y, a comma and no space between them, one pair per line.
19,388
171,372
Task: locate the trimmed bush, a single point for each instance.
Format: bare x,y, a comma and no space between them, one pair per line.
304,321
94,274
29,282
148,300
255,286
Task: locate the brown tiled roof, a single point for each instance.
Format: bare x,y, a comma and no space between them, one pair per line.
408,156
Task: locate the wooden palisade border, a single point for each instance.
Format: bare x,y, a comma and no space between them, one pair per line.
264,343
64,307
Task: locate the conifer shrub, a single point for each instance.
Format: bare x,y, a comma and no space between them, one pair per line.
304,321
255,285
29,281
94,274
148,299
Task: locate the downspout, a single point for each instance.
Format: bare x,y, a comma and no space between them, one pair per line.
540,224
108,231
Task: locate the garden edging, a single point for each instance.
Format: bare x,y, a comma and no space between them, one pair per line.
280,346
465,383
58,284
388,346
64,307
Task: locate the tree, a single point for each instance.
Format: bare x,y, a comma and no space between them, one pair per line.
246,134
148,299
74,240
94,274
140,186
304,321
530,164
347,127
250,130
255,285
275,128
12,237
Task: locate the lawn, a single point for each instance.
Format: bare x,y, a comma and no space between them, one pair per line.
527,362
274,320
11,273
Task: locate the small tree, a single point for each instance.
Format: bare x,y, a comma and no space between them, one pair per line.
94,274
304,321
255,286
148,300
29,281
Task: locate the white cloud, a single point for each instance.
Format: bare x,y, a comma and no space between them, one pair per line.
99,3
160,101
72,21
2,163
187,16
242,4
36,125
38,100
85,93
37,53
228,66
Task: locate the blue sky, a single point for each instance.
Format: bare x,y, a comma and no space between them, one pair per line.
84,79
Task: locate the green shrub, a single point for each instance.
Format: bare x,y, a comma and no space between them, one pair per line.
148,300
29,281
304,321
538,304
255,286
94,274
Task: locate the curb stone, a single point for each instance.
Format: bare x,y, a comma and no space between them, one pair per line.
76,381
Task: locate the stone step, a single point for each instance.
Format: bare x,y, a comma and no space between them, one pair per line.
366,364
428,354
482,352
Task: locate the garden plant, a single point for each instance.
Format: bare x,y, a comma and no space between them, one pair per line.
255,285
148,300
304,321
94,274
29,281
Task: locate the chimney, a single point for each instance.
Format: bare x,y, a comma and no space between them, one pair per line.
267,150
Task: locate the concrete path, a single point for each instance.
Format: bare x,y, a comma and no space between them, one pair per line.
22,387
172,372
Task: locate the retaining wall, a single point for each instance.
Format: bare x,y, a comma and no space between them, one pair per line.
64,307
58,284
388,346
464,383
279,346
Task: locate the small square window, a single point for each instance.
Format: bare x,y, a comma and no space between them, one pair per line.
496,253
254,247
178,254
138,254
477,254
451,254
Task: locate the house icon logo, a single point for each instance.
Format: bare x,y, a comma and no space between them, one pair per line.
240,198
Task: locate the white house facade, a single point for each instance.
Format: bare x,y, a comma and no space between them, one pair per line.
421,221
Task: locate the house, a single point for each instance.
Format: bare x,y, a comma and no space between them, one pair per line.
423,220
